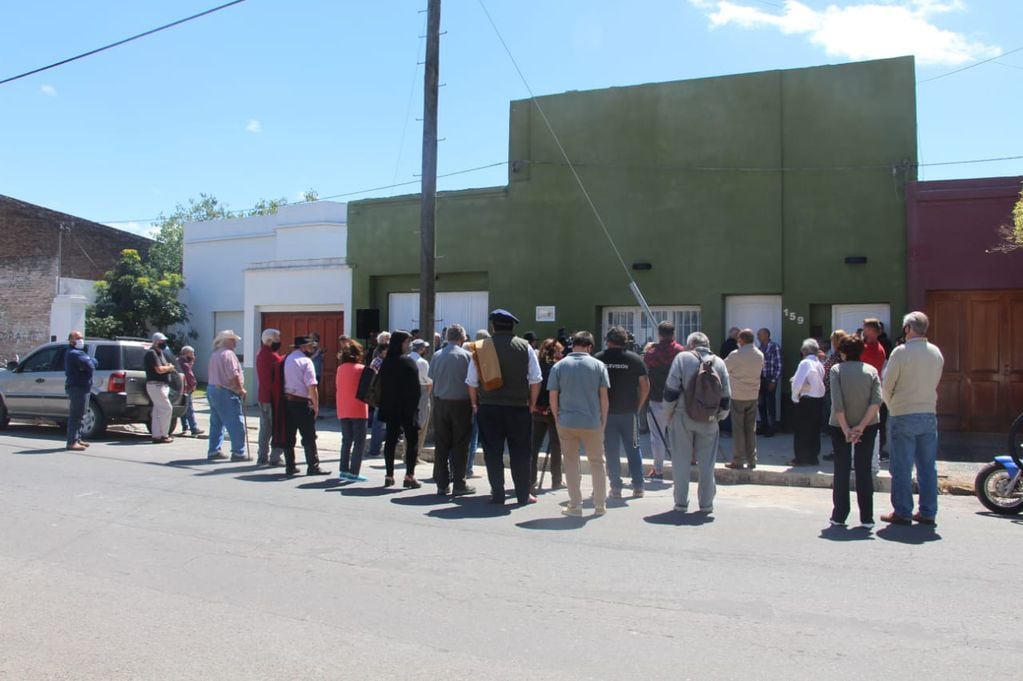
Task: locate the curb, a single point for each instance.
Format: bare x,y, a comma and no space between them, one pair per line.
777,476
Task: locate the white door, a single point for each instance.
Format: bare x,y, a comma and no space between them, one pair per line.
468,308
757,312
754,312
403,311
849,318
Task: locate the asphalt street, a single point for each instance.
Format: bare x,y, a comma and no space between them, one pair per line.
141,561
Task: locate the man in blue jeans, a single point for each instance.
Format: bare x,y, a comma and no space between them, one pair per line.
911,393
78,370
629,389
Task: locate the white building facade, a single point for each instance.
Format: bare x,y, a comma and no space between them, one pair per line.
287,270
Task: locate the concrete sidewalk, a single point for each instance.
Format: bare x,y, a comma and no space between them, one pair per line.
772,456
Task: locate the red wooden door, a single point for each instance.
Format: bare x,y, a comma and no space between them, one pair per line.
978,333
329,325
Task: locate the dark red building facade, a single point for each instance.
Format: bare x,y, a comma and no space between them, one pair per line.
972,293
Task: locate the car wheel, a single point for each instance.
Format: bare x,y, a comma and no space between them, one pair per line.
5,419
94,423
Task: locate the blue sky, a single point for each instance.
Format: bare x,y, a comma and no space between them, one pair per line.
270,98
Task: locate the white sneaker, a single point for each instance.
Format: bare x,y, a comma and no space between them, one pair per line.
835,523
866,526
574,511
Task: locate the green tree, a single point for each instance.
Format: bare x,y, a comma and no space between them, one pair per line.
134,298
1012,235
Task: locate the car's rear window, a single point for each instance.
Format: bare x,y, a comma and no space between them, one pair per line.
108,357
133,358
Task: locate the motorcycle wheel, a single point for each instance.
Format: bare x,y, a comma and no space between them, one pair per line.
1016,438
991,484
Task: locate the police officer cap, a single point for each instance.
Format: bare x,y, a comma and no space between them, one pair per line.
300,341
501,313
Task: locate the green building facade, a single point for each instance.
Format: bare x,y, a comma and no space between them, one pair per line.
745,195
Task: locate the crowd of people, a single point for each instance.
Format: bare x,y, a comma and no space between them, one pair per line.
518,393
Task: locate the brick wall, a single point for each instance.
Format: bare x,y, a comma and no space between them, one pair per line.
27,287
30,237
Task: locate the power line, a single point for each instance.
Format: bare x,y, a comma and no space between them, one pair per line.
965,68
119,42
345,194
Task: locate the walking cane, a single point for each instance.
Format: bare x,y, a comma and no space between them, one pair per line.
543,469
667,449
245,422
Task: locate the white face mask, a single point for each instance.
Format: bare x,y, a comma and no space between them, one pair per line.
79,344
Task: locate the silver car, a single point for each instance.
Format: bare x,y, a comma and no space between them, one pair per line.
34,388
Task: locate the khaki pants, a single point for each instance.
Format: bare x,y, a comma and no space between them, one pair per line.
162,412
592,441
744,432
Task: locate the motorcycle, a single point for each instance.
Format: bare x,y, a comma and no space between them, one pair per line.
999,485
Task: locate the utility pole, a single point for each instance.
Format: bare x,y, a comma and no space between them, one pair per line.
428,201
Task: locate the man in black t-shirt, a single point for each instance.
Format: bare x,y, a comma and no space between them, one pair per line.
629,390
158,371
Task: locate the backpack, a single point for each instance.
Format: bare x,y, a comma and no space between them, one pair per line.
368,389
704,392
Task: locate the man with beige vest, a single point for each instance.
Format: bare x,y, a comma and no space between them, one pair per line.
744,368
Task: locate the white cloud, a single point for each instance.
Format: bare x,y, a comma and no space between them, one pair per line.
254,126
48,90
868,30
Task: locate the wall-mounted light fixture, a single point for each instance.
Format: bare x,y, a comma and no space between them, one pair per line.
855,260
642,266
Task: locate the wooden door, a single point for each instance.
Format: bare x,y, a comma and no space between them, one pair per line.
329,325
977,331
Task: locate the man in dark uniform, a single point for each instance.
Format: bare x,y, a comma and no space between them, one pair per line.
505,413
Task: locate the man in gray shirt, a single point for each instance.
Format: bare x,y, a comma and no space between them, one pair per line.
690,438
452,414
578,387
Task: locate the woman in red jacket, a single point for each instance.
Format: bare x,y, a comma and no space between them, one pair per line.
353,412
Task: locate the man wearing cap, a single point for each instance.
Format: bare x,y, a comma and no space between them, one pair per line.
416,354
225,392
504,413
301,406
158,371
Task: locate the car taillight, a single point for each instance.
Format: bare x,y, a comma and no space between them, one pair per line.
117,383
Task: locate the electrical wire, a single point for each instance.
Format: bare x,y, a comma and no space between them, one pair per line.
342,195
408,110
966,68
880,166
557,141
118,43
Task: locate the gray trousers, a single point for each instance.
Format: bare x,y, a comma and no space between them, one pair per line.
744,432
688,437
266,431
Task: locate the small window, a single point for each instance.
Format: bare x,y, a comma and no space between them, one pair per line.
42,360
108,357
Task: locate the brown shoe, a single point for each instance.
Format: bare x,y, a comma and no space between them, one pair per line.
895,519
734,466
84,444
76,447
922,520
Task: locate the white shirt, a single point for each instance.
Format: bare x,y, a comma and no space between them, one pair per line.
533,375
423,366
810,373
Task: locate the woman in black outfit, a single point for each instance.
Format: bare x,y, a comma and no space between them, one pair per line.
399,404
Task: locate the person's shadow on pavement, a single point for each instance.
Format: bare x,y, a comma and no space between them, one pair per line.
679,519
